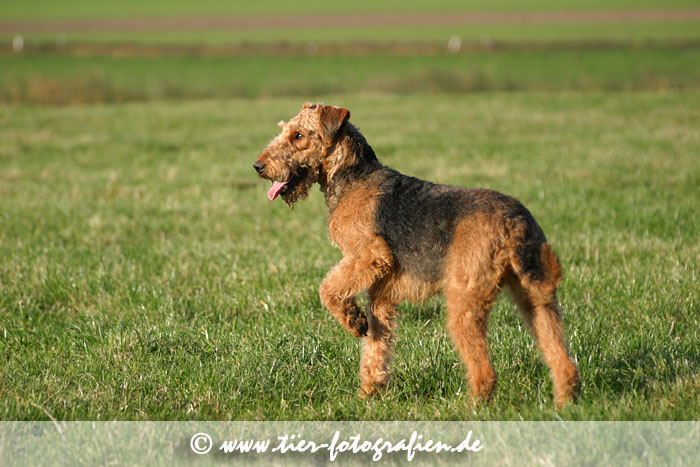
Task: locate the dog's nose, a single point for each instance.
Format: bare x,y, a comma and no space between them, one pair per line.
259,168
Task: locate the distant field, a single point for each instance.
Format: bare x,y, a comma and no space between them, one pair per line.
60,78
639,31
46,9
265,22
144,274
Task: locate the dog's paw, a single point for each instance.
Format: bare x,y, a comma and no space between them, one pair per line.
369,390
367,394
357,322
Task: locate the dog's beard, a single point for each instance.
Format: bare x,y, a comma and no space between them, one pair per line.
299,187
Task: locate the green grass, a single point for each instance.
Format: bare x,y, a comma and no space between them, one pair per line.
144,274
57,78
33,9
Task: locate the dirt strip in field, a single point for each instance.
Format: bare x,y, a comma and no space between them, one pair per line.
86,49
348,20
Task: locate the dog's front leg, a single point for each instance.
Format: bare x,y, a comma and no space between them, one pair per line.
338,292
352,276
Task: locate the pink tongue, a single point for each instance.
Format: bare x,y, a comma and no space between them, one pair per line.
275,190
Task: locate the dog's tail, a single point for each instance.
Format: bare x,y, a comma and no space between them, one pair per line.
552,268
534,262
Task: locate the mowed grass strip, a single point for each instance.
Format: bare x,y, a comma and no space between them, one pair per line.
65,79
145,275
46,9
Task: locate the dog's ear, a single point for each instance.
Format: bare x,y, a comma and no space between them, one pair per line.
332,119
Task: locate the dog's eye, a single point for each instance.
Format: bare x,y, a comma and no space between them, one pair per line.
298,136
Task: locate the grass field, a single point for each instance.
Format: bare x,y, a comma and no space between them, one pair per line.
47,78
144,274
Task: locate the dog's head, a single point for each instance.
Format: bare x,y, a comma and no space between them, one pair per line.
294,159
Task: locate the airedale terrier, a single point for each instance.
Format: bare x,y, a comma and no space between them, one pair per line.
406,239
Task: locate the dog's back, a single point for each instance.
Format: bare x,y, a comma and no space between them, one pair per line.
418,220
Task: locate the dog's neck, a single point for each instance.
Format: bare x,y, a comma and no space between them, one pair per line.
348,161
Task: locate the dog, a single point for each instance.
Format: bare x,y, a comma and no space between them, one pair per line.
406,239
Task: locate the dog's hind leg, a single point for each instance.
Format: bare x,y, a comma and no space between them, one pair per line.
475,270
468,306
538,302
